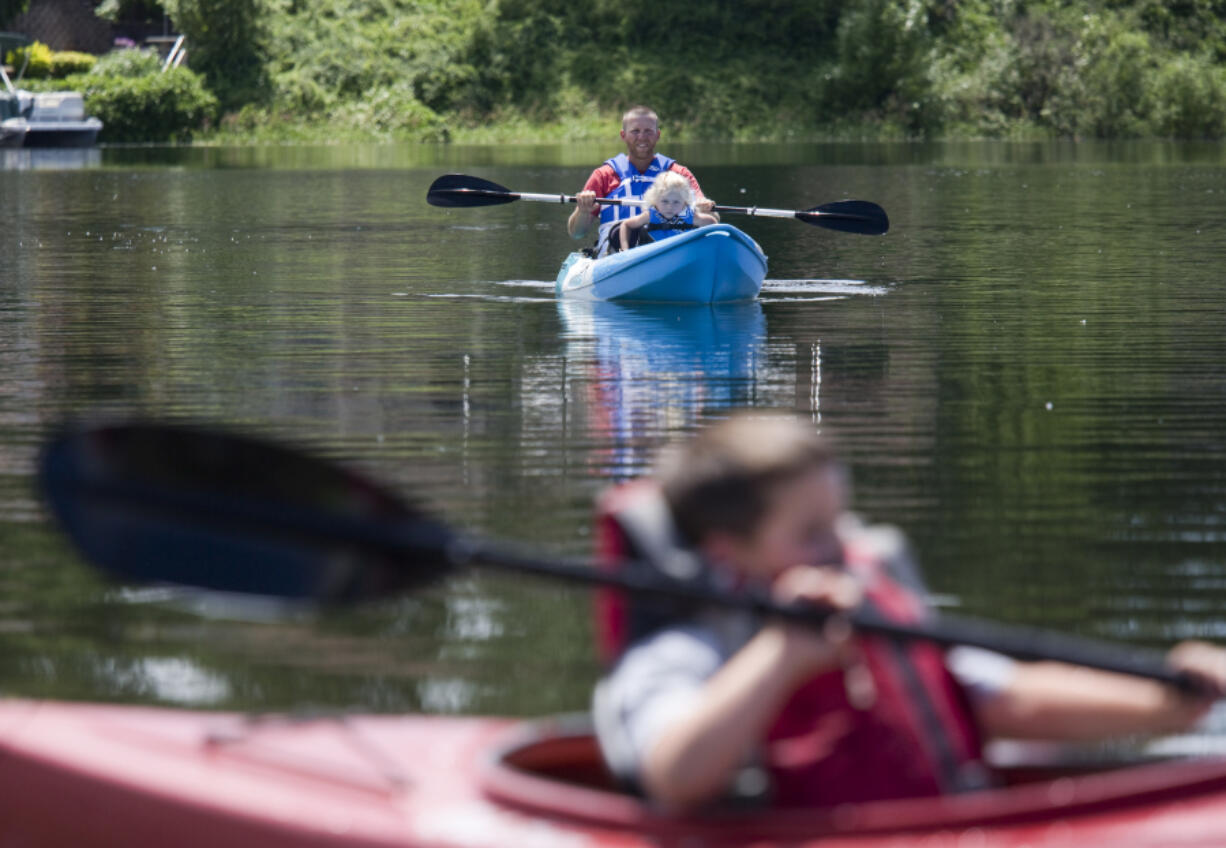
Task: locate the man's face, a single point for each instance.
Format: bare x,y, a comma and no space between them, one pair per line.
640,135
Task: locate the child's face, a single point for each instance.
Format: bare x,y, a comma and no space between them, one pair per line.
671,203
798,528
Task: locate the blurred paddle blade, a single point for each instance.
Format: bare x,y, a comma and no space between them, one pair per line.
462,190
851,216
172,504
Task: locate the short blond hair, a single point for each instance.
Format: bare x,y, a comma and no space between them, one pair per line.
666,182
640,112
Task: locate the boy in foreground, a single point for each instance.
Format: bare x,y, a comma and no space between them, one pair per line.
716,705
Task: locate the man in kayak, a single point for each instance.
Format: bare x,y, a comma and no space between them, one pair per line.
670,211
627,175
704,706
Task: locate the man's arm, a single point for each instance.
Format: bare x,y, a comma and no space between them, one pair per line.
580,221
579,224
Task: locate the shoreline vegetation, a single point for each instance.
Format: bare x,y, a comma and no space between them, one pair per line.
547,71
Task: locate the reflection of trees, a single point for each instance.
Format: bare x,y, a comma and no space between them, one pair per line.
303,304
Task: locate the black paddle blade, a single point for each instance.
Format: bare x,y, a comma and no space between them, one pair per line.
849,216
462,190
172,504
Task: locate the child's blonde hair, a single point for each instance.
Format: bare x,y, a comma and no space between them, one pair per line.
667,182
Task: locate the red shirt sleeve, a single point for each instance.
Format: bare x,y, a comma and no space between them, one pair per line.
602,181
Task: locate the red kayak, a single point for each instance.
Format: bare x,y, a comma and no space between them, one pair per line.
80,774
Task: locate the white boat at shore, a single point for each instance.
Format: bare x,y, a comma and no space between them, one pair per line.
42,119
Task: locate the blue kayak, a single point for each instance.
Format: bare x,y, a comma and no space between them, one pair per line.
707,265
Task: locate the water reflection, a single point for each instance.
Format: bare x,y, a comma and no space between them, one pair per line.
647,369
1025,375
50,158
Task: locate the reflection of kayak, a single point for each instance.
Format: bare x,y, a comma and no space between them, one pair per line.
77,774
696,335
706,265
647,368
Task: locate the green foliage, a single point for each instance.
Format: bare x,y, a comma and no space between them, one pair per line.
127,63
227,42
68,62
1189,96
881,52
35,57
744,69
364,68
154,108
1062,70
1116,101
45,62
129,10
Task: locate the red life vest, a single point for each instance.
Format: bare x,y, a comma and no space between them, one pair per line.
918,738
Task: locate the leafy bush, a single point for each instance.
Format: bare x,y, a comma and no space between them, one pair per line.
228,43
159,107
68,62
1190,99
129,10
35,57
128,62
390,113
1116,98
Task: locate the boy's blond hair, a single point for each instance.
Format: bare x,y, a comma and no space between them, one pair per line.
723,478
666,182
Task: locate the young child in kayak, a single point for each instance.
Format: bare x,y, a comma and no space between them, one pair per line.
670,211
709,705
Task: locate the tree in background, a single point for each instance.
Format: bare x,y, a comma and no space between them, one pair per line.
10,9
227,42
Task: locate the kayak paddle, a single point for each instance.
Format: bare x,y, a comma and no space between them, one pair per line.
850,216
175,504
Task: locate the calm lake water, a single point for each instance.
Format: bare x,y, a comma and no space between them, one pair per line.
1028,374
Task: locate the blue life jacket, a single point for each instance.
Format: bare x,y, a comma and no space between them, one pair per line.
634,183
661,228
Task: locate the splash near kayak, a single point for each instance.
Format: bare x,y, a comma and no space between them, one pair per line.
712,264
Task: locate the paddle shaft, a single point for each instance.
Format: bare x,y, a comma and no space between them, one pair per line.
852,216
416,538
635,202
1018,642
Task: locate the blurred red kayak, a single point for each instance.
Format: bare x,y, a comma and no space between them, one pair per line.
100,775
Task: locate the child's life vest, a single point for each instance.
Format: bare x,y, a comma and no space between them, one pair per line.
916,738
662,228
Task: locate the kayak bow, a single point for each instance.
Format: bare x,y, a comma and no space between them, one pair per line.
711,264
